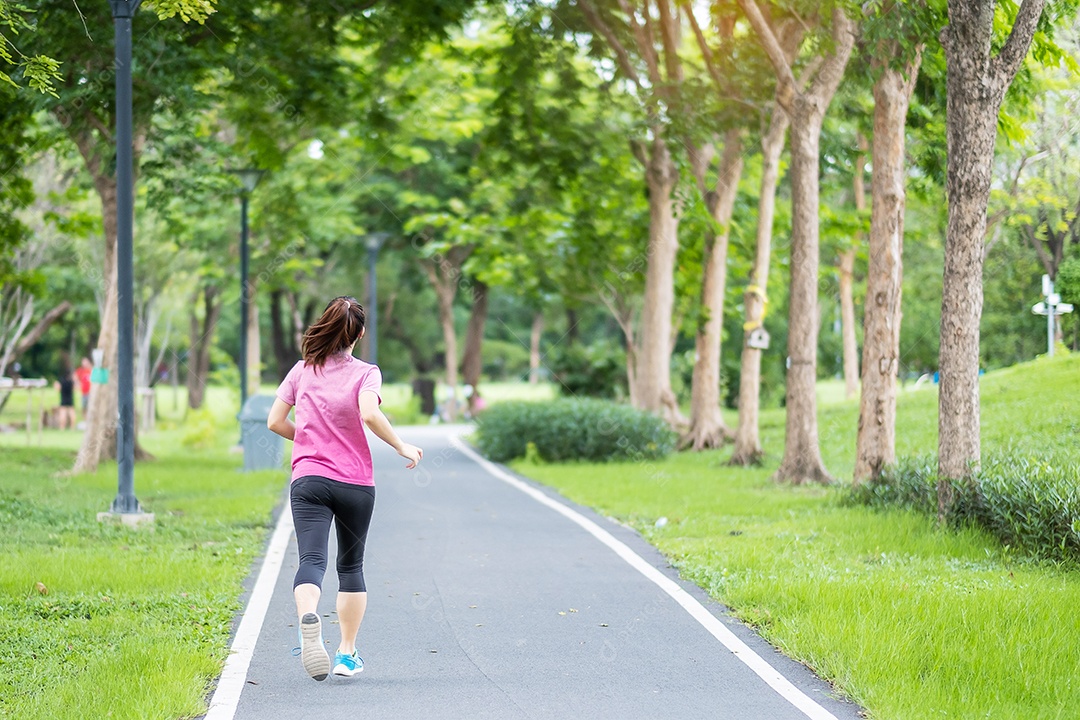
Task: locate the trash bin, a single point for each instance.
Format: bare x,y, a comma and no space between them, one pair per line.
263,448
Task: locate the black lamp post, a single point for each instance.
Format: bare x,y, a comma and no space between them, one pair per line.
125,503
249,178
373,243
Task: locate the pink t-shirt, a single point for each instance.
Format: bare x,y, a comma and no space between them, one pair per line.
330,441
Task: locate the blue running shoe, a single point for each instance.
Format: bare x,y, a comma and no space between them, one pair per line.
348,665
312,653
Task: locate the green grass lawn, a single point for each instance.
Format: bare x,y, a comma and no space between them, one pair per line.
909,620
135,623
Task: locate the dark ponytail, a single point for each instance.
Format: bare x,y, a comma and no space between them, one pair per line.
339,327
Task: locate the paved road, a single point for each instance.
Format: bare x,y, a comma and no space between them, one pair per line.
483,603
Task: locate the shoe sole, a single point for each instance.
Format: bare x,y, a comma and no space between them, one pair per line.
313,655
343,671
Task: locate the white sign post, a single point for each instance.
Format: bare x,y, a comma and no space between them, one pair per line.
1051,309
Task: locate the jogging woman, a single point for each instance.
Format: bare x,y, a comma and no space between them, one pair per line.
336,396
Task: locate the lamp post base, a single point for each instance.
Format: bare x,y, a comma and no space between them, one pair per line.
134,519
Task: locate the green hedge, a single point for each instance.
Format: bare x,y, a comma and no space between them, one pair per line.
572,429
1032,505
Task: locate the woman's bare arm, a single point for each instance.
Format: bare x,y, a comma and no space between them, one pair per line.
377,422
278,419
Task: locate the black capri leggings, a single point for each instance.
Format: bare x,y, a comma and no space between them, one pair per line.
315,502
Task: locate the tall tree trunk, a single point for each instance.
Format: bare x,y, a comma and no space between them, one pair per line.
99,440
707,429
163,350
806,112
975,87
298,316
846,269
802,461
281,338
876,444
534,347
277,332
847,282
624,315
144,336
472,361
572,331
444,272
446,323
747,441
652,371
968,183
254,345
202,338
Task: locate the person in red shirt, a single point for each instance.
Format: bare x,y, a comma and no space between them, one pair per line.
336,397
82,375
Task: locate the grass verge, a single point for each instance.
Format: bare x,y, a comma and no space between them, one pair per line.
118,622
909,620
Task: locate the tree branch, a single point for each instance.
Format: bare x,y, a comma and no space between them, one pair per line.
38,330
706,53
1039,250
1003,67
785,90
700,159
592,17
644,40
669,36
831,73
1074,225
99,125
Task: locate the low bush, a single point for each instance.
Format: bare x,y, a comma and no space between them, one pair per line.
572,429
1031,505
201,430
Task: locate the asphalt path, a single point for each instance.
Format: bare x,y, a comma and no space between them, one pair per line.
484,603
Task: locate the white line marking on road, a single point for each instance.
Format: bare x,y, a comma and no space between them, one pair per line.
741,650
227,696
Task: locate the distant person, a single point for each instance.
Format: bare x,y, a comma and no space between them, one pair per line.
336,396
65,415
477,403
82,374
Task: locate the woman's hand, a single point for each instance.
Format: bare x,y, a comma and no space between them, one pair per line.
410,453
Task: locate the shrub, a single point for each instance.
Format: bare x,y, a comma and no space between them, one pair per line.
200,430
408,413
1032,505
572,429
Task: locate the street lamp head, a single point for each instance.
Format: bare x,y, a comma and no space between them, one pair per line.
249,177
374,241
